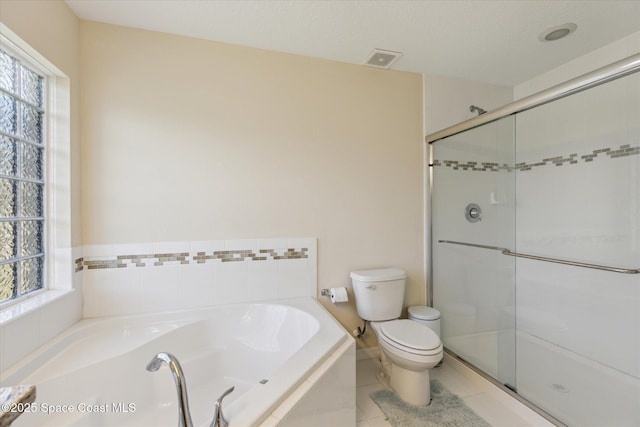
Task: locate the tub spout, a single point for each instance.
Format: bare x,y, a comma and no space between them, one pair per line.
219,419
181,385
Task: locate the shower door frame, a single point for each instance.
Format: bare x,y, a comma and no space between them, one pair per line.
586,81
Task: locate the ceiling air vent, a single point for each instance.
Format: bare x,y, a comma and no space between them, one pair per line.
380,58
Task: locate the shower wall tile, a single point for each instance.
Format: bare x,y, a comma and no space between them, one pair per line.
143,277
588,210
600,233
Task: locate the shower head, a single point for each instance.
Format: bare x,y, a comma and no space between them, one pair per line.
476,109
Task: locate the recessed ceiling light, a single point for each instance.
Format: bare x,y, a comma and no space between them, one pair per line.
556,33
380,58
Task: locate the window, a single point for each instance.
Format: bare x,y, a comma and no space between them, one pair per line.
22,177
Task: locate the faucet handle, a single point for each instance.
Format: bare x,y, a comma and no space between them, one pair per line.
219,419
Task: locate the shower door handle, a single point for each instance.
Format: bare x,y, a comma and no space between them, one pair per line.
508,252
573,263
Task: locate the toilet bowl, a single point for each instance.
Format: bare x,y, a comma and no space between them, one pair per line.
408,348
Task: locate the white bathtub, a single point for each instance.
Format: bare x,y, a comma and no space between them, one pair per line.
280,356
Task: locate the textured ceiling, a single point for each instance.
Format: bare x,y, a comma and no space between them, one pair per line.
489,41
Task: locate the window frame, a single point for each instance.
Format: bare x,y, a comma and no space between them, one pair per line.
57,277
19,177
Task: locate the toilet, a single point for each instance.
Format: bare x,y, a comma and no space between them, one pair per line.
409,348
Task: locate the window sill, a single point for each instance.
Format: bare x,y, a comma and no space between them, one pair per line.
31,304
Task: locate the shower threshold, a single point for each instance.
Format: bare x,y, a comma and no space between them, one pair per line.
506,389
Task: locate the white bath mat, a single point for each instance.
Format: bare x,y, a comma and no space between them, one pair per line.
446,410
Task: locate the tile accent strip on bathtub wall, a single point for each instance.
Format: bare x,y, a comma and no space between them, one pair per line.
572,159
79,266
200,257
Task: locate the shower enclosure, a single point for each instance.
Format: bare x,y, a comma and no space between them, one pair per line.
535,228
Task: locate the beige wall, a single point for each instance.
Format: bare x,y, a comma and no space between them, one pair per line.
185,139
52,29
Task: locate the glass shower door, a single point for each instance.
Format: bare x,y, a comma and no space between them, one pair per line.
536,251
472,219
578,189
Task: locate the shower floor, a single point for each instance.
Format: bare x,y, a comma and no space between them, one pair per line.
572,388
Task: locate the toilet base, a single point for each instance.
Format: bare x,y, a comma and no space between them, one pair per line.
383,378
411,386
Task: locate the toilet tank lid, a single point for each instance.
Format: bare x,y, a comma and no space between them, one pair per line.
423,312
379,275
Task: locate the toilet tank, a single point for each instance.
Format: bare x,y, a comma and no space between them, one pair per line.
379,293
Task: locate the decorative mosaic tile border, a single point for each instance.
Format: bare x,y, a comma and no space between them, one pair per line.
474,166
572,159
156,260
79,266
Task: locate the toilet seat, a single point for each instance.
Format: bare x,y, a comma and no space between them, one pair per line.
409,336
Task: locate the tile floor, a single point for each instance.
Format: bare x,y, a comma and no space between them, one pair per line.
495,406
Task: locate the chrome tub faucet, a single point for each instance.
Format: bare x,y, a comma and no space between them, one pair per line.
184,414
184,419
219,419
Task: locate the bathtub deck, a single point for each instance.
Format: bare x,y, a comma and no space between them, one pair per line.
495,406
